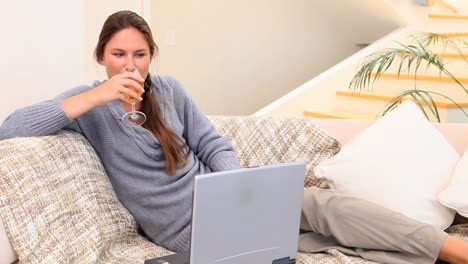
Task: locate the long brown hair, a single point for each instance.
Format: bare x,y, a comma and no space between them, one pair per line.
173,147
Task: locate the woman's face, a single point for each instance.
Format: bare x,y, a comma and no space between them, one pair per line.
125,51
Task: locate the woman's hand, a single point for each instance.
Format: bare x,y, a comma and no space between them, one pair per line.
116,87
112,89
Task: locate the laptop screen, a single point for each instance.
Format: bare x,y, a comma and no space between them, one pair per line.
248,215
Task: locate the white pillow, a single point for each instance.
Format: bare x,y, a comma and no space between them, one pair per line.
455,196
400,162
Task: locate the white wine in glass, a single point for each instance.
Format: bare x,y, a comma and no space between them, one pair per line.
134,117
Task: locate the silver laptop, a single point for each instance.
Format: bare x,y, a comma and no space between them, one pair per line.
248,215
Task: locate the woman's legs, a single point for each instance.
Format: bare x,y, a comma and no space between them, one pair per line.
378,234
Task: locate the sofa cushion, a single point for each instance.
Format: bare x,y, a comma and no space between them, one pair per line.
58,205
454,196
268,140
75,216
400,162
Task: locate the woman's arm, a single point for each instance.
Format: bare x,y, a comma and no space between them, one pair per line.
48,117
202,138
110,90
39,119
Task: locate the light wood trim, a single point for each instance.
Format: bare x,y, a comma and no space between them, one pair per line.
385,97
455,34
433,78
452,55
338,115
320,114
447,16
446,55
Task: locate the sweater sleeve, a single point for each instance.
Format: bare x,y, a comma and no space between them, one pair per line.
211,148
40,119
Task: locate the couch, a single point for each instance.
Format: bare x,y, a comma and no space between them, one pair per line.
57,205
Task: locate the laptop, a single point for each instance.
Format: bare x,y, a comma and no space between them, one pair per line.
248,215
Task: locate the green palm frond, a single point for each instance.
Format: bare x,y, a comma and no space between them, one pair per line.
410,55
424,100
410,58
441,40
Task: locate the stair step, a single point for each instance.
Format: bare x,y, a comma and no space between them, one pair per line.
447,16
396,86
376,108
338,115
433,78
453,55
441,102
456,66
448,55
455,47
454,34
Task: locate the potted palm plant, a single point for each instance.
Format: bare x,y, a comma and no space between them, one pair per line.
411,57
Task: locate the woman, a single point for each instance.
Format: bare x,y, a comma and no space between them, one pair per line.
152,167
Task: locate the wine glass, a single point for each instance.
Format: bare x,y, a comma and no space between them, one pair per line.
134,117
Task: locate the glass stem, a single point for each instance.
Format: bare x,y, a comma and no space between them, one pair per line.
133,114
133,105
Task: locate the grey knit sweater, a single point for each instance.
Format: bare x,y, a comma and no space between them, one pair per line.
133,157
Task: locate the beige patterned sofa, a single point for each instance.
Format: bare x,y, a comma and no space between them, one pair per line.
58,206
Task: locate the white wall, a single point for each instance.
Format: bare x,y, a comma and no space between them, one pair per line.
237,56
42,50
48,46
234,56
361,21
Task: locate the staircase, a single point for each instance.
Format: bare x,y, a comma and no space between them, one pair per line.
370,104
328,95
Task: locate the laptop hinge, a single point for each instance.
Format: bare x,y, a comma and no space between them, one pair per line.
284,261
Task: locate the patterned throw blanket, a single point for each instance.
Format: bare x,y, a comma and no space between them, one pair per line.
58,205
